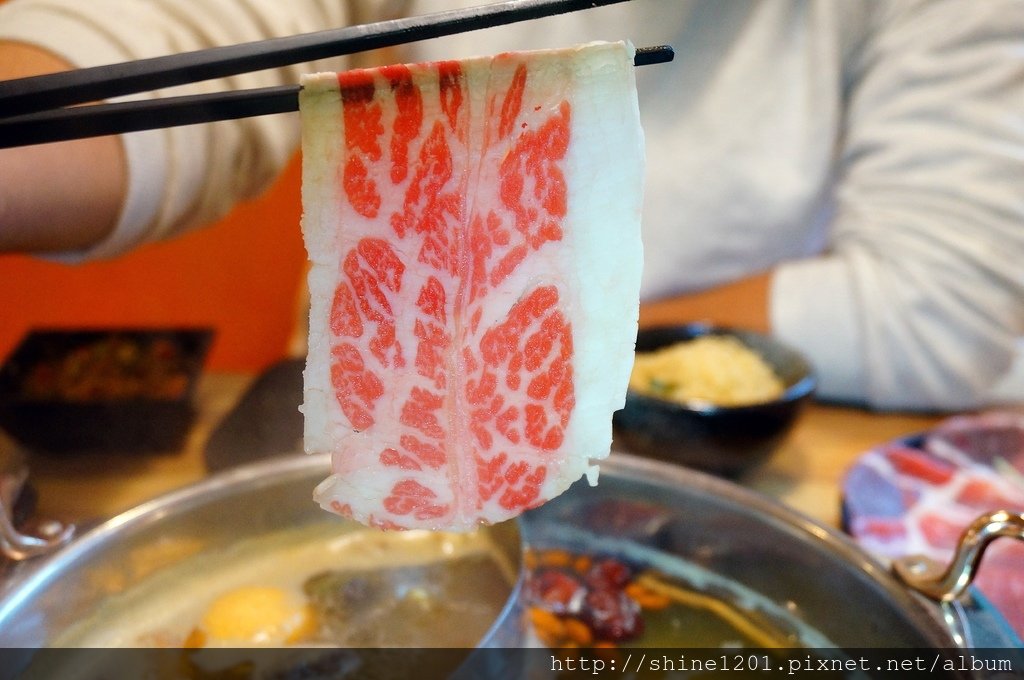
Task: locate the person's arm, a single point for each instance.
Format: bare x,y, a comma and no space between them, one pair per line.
56,197
920,299
74,201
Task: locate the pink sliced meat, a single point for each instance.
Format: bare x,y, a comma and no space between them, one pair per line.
473,232
999,579
993,438
917,497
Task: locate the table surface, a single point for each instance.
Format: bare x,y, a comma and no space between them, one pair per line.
805,472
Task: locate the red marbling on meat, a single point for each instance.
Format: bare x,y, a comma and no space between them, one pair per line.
451,350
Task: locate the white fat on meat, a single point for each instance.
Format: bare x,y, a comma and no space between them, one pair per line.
473,229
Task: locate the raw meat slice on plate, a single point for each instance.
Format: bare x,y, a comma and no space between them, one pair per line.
473,231
916,497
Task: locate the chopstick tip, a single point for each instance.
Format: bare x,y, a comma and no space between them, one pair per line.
659,54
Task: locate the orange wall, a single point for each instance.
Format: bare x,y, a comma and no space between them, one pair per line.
240,276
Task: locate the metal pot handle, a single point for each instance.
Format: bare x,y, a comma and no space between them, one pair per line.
928,577
14,544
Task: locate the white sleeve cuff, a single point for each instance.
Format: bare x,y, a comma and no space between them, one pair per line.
146,153
180,177
146,160
813,308
49,27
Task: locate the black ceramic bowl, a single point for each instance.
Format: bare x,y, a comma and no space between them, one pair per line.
720,439
125,389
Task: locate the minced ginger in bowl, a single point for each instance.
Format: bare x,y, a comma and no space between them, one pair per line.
711,398
714,369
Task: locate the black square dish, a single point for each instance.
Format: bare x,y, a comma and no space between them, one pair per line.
125,389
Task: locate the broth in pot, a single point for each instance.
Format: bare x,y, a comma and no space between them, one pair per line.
315,586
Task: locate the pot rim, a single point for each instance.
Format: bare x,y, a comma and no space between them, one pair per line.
35,572
274,470
922,613
219,485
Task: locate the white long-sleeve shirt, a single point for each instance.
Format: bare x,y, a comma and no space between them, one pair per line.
871,153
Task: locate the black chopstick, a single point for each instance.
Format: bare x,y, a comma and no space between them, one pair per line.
40,93
107,119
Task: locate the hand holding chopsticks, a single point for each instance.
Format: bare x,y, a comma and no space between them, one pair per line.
25,104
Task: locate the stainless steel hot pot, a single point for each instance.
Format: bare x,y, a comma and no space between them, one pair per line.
819,575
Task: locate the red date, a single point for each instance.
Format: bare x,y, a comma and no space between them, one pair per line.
612,615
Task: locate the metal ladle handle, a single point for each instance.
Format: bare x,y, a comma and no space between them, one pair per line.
927,576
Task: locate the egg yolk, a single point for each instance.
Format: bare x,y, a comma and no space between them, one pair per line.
258,615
